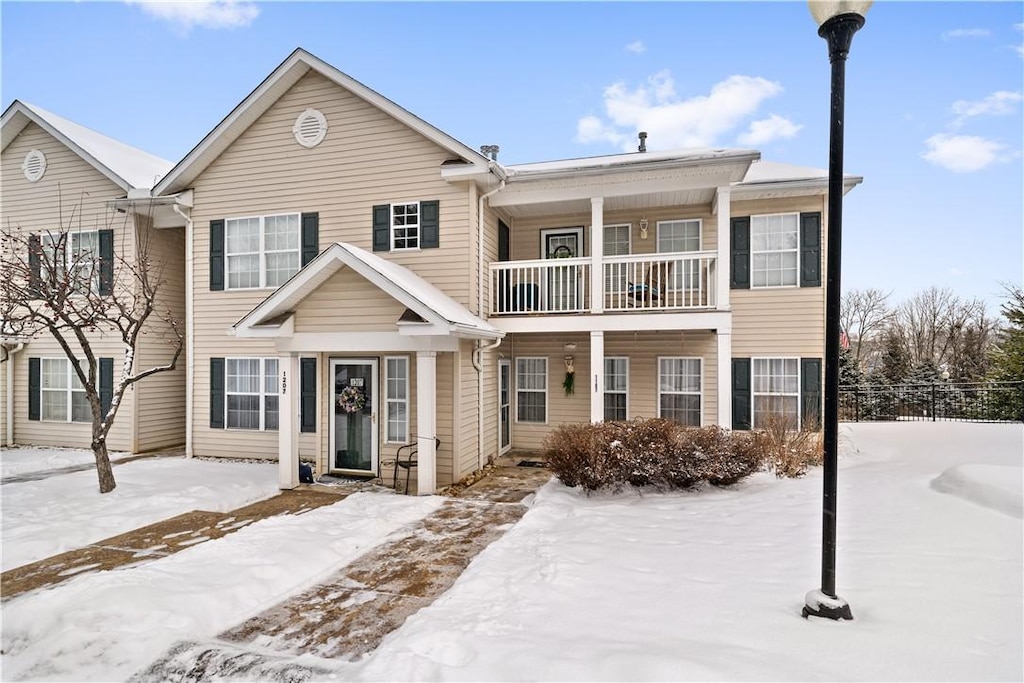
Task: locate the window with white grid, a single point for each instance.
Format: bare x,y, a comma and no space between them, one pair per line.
616,387
405,226
396,381
532,390
262,251
616,243
774,250
776,390
679,390
251,393
73,253
62,396
676,236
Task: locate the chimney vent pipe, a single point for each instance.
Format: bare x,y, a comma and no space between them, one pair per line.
643,142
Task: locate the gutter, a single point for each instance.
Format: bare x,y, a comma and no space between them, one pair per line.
190,364
10,350
481,347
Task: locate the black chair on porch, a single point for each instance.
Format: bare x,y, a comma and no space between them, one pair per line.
405,458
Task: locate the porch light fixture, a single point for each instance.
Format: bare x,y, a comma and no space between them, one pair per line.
837,20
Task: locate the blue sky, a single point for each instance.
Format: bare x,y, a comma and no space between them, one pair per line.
934,95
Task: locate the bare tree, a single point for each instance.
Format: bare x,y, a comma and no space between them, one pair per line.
52,284
864,314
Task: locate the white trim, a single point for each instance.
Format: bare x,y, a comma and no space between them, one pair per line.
723,202
388,400
363,342
624,392
627,322
505,363
547,381
724,350
700,394
289,423
332,436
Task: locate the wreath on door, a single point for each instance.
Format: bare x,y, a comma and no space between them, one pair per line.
351,399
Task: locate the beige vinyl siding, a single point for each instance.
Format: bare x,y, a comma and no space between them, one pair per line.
160,398
526,233
643,350
780,321
347,302
367,158
70,195
468,409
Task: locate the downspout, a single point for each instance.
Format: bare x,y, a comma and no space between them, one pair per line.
9,437
190,366
480,348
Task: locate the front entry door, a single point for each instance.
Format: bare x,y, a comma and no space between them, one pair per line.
505,404
563,282
354,426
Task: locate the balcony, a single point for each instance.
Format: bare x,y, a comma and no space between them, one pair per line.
637,282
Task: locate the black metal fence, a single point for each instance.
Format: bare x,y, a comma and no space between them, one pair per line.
976,402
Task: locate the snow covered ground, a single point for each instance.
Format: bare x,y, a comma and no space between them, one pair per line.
703,585
29,459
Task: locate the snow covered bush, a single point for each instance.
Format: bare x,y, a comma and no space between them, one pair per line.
649,452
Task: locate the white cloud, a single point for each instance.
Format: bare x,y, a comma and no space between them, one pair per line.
963,153
637,47
211,14
997,104
670,121
966,33
769,129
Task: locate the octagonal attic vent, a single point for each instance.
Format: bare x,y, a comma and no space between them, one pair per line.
310,128
34,165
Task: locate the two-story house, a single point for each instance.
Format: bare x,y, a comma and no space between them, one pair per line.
358,280
60,177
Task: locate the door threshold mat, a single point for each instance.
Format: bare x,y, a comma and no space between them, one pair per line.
532,463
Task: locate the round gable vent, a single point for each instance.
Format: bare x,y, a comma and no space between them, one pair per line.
34,165
310,128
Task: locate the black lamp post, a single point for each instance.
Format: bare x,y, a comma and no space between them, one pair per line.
838,20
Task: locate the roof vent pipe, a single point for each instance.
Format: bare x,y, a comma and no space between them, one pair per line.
490,151
643,142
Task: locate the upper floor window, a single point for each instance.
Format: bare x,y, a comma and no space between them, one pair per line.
678,236
74,255
262,251
774,250
405,226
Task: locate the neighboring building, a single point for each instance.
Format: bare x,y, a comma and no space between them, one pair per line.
59,175
358,280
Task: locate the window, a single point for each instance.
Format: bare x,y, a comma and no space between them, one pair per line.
62,396
251,393
396,381
74,253
616,386
679,390
405,226
616,243
532,390
262,251
676,236
776,390
774,250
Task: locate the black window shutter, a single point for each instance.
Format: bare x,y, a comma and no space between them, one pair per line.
106,383
382,227
310,237
741,393
504,242
810,392
307,395
430,224
35,279
810,249
33,389
739,245
217,255
106,262
217,393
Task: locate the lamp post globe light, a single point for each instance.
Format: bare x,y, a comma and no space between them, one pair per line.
838,20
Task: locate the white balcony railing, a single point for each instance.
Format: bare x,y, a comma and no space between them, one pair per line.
651,282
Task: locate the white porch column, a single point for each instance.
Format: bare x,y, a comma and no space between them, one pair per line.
596,254
724,264
288,422
426,422
724,379
597,371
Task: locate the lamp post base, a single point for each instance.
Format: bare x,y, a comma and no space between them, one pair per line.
818,604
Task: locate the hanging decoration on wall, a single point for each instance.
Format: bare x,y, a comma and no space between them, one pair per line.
569,383
351,399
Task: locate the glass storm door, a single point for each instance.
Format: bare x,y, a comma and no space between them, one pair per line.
504,404
353,433
563,282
